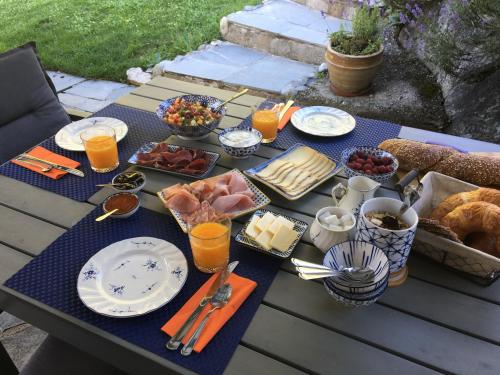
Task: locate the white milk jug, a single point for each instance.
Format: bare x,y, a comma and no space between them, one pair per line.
359,189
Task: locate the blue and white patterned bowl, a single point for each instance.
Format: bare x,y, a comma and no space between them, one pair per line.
192,132
357,254
353,302
370,151
240,152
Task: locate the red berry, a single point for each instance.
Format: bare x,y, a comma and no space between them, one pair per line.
369,161
367,167
352,158
356,166
387,160
360,161
389,168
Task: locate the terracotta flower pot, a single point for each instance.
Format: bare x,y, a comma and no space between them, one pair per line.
352,75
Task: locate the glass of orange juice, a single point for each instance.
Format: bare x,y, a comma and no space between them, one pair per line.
100,145
266,121
210,244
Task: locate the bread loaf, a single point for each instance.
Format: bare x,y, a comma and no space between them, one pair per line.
479,170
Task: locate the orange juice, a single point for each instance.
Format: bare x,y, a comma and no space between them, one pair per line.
266,121
100,146
210,245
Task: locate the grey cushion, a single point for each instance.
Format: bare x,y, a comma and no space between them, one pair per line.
55,357
29,109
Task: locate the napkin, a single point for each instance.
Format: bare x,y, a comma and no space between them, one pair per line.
287,116
43,153
242,288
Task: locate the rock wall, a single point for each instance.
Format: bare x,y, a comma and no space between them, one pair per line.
471,86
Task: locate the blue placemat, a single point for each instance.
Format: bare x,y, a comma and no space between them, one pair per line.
51,279
366,133
143,127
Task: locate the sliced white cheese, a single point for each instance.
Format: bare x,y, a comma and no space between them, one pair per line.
272,168
265,222
280,221
283,239
300,156
252,229
264,239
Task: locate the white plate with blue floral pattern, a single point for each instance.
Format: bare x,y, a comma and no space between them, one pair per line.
132,277
323,121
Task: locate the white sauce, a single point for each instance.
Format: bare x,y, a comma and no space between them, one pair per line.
240,138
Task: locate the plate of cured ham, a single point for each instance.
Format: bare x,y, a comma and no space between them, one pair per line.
182,161
296,171
230,194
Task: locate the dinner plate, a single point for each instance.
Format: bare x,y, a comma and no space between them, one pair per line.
148,147
299,226
323,121
260,199
68,137
132,277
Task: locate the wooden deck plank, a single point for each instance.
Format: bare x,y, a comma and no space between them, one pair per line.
161,94
194,88
11,261
42,203
24,232
391,330
319,350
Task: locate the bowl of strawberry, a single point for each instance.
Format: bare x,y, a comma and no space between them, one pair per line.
372,162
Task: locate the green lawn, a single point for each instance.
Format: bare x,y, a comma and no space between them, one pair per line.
103,38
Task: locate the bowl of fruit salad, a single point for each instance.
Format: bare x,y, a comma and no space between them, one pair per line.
191,116
372,162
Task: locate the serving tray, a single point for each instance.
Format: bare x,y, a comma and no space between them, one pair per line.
148,147
260,199
252,172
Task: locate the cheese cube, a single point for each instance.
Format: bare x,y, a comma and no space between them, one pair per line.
266,221
252,229
264,239
275,226
283,238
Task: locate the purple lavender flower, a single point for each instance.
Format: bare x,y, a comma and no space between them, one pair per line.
403,19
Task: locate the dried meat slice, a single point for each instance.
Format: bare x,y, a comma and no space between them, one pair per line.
233,203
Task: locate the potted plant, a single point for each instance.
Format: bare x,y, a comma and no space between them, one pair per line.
354,57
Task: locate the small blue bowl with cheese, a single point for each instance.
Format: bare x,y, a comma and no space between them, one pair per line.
240,143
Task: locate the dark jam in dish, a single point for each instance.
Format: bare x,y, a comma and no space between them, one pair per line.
129,180
124,202
386,220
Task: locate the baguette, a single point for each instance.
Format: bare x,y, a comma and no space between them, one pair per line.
476,169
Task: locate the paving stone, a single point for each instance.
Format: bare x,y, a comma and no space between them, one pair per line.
289,19
62,81
100,90
82,103
23,344
240,66
8,321
273,74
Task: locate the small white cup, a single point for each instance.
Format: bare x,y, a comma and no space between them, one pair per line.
323,237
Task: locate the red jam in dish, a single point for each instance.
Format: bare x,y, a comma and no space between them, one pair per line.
124,202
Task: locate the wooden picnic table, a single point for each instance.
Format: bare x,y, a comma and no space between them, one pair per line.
436,322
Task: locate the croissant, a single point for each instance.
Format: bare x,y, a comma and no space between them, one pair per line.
475,217
455,200
479,170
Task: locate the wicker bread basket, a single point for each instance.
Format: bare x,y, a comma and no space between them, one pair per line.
437,187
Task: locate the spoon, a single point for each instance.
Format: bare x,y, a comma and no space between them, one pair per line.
310,271
46,168
242,92
102,217
219,300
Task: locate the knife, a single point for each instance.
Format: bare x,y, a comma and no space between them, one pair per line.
221,279
76,172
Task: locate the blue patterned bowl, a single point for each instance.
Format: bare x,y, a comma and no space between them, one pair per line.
353,302
357,254
370,151
192,132
236,151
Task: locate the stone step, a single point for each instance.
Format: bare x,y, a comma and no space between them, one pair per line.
337,8
282,28
239,66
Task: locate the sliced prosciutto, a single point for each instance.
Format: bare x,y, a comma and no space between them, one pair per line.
237,184
233,203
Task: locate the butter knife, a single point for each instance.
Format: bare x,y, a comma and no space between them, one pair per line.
175,340
74,171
